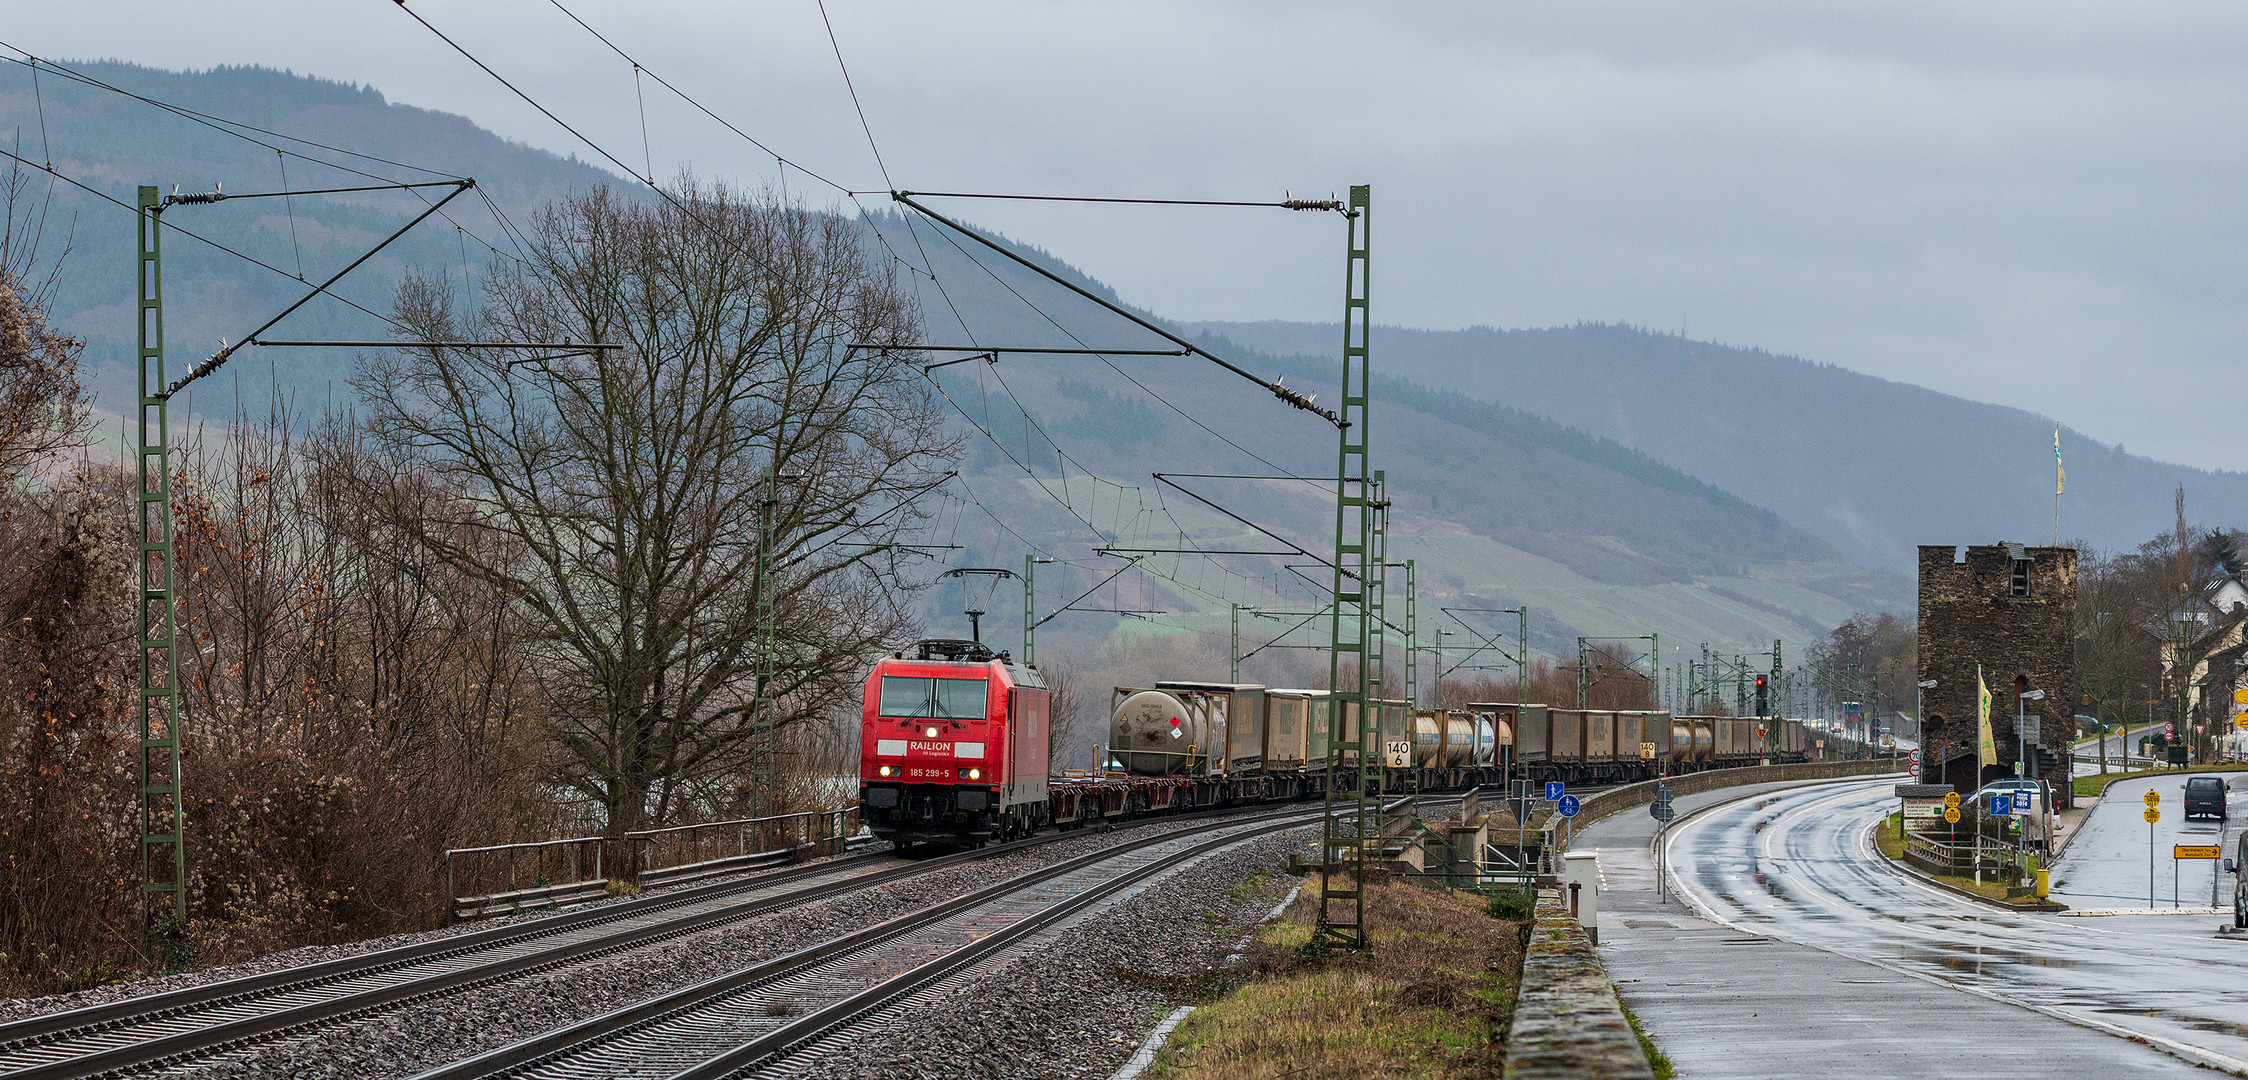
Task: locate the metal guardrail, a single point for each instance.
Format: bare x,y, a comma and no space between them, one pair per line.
576,862
551,872
681,853
1997,860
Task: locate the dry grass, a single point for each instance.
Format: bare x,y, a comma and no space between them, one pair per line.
1433,1000
1892,845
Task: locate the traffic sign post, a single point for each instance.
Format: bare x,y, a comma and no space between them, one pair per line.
2153,814
2182,852
1566,806
1663,812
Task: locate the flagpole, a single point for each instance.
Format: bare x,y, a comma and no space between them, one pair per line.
2060,479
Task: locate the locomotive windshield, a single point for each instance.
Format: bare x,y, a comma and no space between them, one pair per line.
909,697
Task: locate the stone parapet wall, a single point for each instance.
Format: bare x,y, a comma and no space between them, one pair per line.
1617,800
1568,1024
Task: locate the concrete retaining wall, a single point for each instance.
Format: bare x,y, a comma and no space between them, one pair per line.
1568,1024
1617,800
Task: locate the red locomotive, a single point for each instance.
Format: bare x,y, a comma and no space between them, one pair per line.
953,748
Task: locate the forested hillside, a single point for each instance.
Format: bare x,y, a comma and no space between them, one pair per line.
1498,505
1872,466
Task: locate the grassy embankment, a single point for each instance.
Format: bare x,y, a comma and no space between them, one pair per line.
1434,1000
1893,849
2095,784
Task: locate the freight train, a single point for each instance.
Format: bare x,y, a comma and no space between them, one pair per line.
953,747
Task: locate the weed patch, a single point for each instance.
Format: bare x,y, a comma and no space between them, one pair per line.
1656,1059
1433,999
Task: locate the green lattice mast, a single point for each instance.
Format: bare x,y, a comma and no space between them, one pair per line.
1353,817
163,824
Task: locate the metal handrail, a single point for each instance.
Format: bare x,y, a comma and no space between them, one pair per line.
631,862
651,833
450,852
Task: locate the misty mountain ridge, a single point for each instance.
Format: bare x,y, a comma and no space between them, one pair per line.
1500,503
1873,466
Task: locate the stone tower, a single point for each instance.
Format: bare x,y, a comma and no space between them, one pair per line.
2011,609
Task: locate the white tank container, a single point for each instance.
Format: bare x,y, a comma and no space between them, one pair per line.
1158,733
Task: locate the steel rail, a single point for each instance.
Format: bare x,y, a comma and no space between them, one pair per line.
190,1023
195,1021
554,1050
291,999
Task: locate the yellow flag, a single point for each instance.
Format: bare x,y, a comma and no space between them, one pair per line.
2060,475
1982,716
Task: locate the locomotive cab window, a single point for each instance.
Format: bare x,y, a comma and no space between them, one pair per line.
908,697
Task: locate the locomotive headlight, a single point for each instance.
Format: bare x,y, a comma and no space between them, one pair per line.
929,732
975,774
883,771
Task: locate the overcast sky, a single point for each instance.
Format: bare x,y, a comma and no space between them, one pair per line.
2032,204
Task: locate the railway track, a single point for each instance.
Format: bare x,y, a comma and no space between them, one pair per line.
756,1016
182,1025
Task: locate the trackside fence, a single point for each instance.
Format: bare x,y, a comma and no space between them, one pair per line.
501,879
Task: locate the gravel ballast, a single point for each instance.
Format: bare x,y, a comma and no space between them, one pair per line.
414,1037
13,1009
1078,1002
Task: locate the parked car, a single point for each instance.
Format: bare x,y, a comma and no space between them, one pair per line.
2033,825
2205,797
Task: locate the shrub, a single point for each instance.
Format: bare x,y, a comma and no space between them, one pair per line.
1513,905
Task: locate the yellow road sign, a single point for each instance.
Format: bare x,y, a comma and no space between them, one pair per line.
2195,851
1951,814
1951,799
2153,815
2241,721
2154,798
2241,695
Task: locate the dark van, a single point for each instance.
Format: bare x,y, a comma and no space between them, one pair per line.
2205,797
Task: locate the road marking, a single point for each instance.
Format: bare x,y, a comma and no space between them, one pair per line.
2184,1051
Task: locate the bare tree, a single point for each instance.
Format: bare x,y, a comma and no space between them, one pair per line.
1063,706
42,406
632,487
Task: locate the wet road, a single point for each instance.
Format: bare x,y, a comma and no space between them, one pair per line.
2119,744
2105,863
1799,867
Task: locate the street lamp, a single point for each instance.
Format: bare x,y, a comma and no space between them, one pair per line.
2021,736
1920,723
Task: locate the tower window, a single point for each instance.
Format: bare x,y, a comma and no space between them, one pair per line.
2019,585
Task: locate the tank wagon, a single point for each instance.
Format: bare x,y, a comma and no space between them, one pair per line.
953,747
